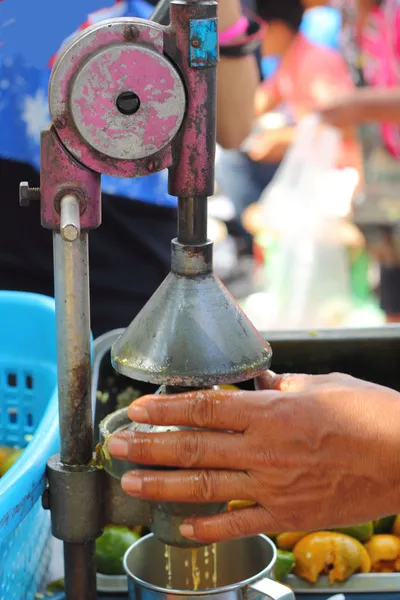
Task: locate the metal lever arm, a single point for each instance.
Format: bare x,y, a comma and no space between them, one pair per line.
161,14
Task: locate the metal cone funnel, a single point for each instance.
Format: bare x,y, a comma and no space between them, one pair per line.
191,333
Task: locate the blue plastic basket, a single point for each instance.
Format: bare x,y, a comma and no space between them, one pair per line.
28,406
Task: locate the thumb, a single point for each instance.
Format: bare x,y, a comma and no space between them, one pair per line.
267,381
289,383
229,526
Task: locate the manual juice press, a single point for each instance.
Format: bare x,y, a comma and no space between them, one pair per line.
128,98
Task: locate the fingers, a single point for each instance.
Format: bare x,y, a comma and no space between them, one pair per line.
229,526
267,381
284,383
210,409
183,449
187,486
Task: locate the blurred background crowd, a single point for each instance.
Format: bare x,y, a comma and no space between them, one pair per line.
338,60
306,211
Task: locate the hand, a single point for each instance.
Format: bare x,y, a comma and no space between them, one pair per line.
341,113
310,451
271,146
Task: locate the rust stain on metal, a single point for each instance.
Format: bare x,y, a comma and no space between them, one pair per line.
131,33
77,430
60,123
80,379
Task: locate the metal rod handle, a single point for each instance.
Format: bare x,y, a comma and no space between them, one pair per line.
70,227
71,286
160,14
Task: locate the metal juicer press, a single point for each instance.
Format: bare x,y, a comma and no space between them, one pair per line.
129,98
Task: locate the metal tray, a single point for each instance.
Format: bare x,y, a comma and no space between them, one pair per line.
368,583
370,354
112,584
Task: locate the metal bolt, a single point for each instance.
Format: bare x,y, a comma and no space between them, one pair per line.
59,123
28,194
195,43
132,32
46,499
153,165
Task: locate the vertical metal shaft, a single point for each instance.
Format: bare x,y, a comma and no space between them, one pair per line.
160,14
71,287
192,220
79,560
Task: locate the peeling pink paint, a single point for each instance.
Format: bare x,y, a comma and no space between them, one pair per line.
60,174
96,106
109,77
195,175
140,67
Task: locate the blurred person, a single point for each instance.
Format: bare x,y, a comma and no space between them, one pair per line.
347,39
377,34
311,71
239,177
130,252
284,19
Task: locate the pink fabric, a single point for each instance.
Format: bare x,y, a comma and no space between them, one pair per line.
236,30
380,47
310,76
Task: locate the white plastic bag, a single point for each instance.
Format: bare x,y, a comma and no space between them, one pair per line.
309,280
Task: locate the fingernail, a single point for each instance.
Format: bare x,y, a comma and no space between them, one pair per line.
187,531
131,484
138,413
117,446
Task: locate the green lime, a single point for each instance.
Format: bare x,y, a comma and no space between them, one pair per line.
362,533
8,462
384,525
285,562
111,547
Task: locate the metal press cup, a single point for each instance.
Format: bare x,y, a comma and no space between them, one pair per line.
243,571
166,517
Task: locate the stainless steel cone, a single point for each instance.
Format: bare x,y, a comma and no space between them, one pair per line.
191,333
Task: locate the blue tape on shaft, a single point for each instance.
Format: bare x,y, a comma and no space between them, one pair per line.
203,43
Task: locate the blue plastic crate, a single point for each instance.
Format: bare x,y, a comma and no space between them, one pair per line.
28,407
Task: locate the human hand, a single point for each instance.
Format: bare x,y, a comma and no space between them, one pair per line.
310,451
342,112
271,146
